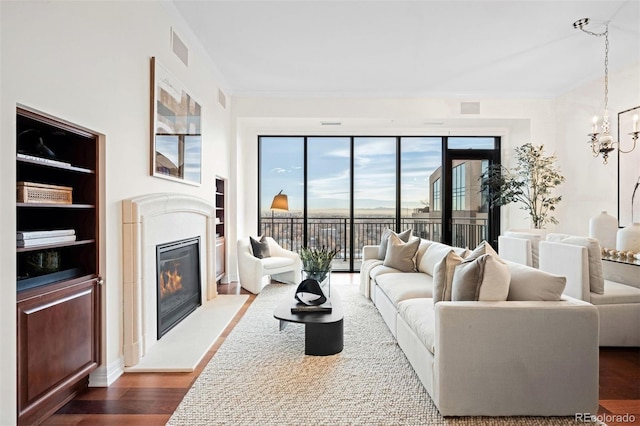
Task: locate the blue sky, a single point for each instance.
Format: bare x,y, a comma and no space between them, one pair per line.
329,171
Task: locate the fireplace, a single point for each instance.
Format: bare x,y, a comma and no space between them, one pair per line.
178,282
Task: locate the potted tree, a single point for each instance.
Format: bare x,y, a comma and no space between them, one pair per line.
530,182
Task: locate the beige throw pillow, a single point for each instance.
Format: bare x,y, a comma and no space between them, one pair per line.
400,254
485,278
482,248
443,276
434,254
530,284
382,249
596,277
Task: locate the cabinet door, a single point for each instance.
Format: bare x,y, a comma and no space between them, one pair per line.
58,346
220,260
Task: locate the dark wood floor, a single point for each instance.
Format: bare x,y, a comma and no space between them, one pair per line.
149,399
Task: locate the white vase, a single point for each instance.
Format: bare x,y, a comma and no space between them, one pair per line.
629,238
603,227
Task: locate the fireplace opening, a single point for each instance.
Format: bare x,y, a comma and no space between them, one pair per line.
178,278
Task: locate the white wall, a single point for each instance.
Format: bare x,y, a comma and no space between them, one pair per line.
591,186
560,124
517,121
89,63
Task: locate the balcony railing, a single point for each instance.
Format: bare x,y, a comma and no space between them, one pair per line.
332,232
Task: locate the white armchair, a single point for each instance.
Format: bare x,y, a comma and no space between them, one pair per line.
282,265
618,303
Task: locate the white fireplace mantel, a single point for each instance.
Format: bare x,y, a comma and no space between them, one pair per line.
147,221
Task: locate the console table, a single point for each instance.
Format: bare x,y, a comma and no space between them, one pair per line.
621,269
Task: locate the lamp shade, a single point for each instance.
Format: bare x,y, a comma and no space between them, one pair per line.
280,202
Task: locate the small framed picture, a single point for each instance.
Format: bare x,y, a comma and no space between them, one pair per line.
176,139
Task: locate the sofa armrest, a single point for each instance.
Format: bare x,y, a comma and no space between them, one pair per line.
369,252
506,358
570,261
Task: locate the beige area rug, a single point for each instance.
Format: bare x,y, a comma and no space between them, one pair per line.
260,376
184,346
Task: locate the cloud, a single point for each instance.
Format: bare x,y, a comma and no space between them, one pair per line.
278,170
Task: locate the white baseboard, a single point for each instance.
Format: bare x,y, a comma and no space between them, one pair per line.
103,376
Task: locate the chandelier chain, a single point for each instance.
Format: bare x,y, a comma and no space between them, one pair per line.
606,67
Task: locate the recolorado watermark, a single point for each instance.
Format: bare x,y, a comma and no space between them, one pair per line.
605,418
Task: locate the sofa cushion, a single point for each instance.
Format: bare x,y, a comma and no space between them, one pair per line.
530,284
434,254
420,316
381,270
535,239
382,249
616,293
596,277
276,262
443,276
400,255
485,278
260,247
482,248
405,285
422,249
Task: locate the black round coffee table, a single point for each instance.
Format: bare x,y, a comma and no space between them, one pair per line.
323,331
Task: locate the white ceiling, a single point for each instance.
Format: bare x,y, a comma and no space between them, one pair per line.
471,49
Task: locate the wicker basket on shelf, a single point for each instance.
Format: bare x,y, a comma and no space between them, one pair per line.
29,192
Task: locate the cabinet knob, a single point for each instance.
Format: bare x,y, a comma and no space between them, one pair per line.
100,281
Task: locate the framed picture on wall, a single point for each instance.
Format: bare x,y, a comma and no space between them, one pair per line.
176,139
628,169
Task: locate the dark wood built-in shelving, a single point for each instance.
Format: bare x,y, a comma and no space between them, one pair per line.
58,302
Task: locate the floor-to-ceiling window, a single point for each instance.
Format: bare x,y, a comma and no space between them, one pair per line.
329,196
420,158
282,169
344,191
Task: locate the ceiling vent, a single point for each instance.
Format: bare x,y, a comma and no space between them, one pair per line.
222,99
179,48
469,107
331,123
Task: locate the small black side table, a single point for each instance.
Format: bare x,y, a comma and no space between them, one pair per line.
323,332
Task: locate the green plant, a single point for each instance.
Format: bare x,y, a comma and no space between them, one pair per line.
317,261
531,182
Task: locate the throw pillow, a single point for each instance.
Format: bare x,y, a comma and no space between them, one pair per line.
535,243
404,236
443,276
483,248
400,254
485,278
260,248
530,284
434,254
596,277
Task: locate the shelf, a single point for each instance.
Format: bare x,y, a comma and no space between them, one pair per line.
56,166
57,206
49,305
27,283
55,245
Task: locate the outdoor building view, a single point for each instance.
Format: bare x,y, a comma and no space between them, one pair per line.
381,179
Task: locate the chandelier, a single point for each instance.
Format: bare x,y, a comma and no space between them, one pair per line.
602,142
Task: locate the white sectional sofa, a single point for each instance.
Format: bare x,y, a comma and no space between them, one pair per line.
534,354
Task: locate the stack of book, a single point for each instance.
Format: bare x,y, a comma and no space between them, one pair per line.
40,238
